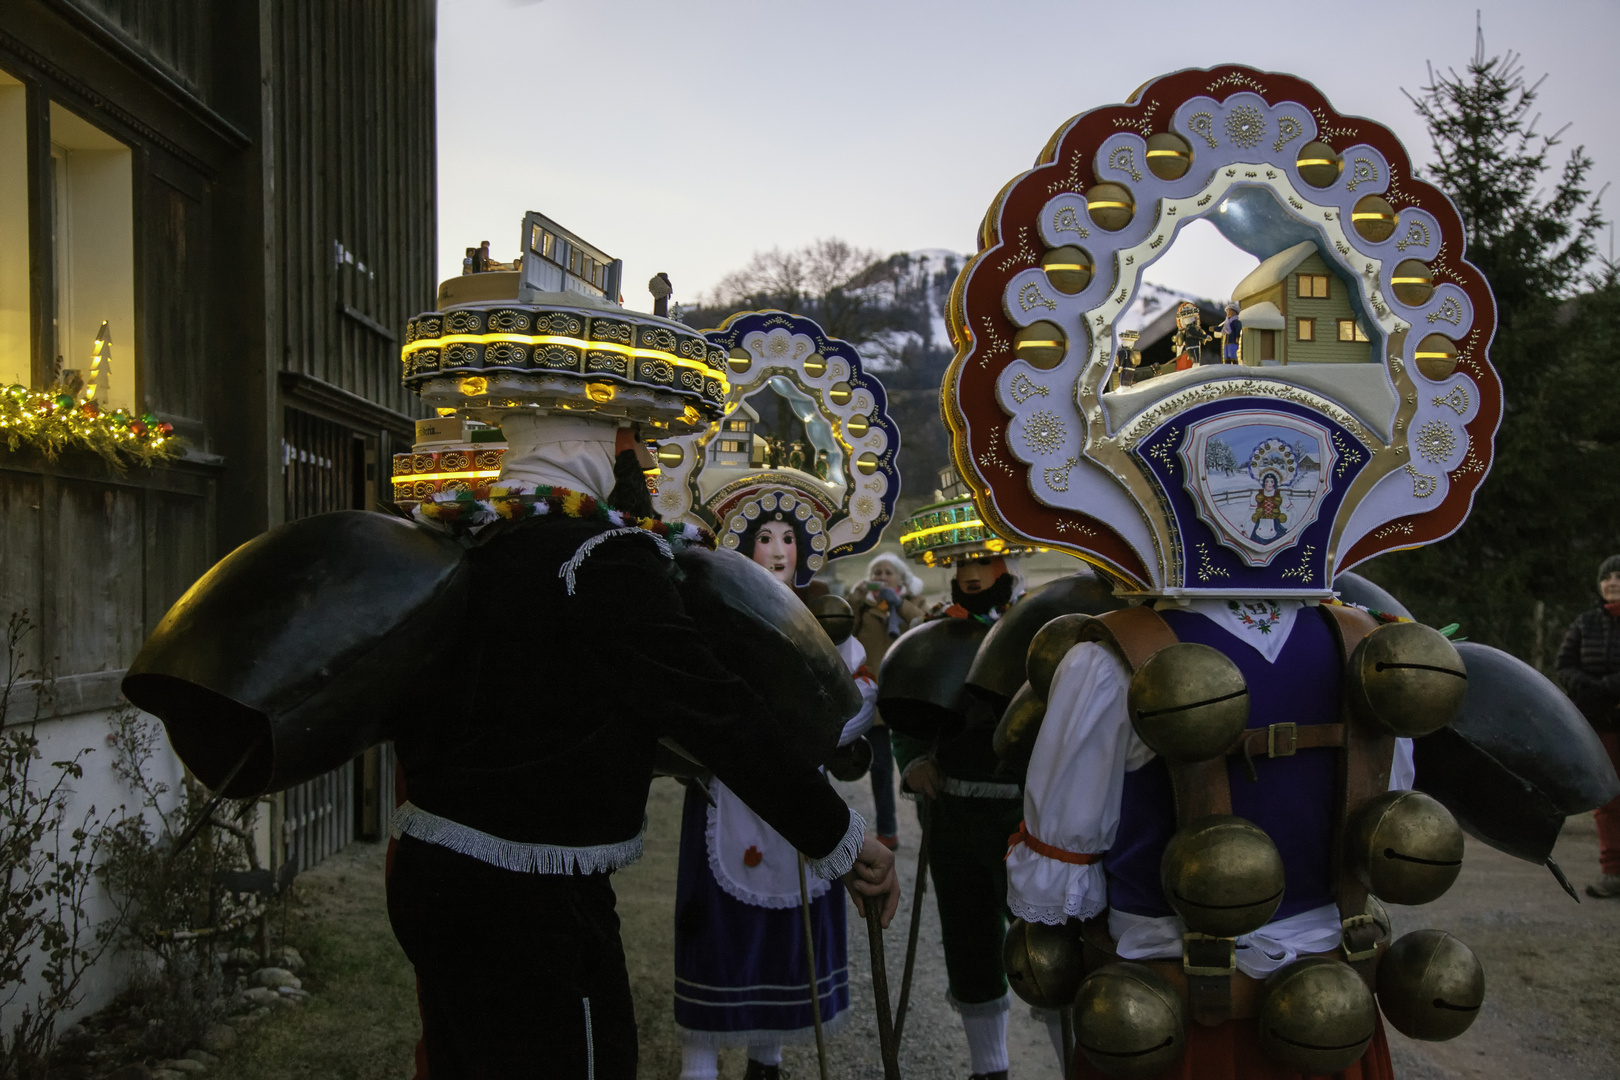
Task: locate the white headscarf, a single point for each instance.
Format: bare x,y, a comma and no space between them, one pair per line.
574,452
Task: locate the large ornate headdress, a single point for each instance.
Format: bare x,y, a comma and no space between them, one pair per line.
806,435
1360,415
949,529
547,333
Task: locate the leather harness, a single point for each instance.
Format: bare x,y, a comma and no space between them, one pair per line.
1206,976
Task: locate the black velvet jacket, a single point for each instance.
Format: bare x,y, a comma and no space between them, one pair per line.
541,717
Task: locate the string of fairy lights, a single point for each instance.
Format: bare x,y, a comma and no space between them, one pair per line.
61,418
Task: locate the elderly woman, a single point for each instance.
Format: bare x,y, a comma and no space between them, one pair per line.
885,604
1589,666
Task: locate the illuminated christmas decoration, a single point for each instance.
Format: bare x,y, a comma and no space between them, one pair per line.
50,421
100,365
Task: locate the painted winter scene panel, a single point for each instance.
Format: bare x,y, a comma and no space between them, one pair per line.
1258,477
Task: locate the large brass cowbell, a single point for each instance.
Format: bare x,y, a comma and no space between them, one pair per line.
1188,702
1406,679
1129,1021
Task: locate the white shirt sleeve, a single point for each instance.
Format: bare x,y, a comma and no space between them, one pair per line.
1073,789
854,655
1403,769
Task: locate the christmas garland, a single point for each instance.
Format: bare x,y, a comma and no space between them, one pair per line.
466,510
52,420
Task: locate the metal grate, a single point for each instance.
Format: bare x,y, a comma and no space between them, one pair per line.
323,466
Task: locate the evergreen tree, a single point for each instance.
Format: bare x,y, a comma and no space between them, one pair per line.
1525,560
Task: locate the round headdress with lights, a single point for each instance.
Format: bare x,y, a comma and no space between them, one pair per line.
1360,414
806,438
533,337
949,529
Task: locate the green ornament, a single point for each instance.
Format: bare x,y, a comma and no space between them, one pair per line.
148,419
63,401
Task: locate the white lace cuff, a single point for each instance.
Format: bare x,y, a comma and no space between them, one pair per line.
1048,891
842,858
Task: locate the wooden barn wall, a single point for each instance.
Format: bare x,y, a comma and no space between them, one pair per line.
354,167
172,34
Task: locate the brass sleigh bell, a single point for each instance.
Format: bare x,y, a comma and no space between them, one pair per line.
1318,1016
1430,985
1188,702
1014,737
1405,847
1406,679
1043,963
1222,875
1129,1021
1049,646
835,616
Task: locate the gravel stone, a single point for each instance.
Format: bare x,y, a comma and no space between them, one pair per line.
276,977
289,958
261,995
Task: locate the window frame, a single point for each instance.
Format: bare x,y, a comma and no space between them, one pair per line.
1311,282
1305,328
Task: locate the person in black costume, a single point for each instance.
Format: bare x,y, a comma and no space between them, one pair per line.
532,786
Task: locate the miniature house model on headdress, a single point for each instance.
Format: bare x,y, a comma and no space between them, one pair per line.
806,438
1361,415
547,332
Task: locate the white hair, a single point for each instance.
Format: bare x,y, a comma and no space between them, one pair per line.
910,584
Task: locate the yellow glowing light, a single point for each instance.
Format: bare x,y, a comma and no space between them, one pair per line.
1370,215
1307,162
934,530
1409,280
1164,153
576,343
1105,204
481,474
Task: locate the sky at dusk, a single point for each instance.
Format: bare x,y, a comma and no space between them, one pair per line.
684,135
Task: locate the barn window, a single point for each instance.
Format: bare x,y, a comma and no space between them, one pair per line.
1306,330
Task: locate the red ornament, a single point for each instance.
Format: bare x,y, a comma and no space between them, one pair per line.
137,427
90,408
752,857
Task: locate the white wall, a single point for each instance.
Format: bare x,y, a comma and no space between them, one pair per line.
100,789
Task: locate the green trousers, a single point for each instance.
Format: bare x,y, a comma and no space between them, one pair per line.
967,850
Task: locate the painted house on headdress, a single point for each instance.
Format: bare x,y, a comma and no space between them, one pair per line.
244,194
1295,309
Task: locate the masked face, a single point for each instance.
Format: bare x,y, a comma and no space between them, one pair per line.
976,575
777,550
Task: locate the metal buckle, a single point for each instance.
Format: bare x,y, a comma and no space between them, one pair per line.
1287,745
1349,927
1209,948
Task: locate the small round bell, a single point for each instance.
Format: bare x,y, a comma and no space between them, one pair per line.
1222,875
1129,1021
1318,1016
1189,702
1405,847
851,761
1407,679
1047,649
1014,738
1430,985
1043,962
835,616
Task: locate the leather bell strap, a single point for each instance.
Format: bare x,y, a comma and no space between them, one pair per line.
1039,847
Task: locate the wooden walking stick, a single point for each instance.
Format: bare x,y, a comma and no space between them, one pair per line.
880,990
918,890
810,961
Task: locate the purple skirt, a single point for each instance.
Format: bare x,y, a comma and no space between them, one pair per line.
740,973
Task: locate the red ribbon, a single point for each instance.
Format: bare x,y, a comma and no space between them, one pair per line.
1073,858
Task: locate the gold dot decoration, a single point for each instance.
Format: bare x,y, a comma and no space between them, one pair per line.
1068,268
1435,441
1042,344
1373,218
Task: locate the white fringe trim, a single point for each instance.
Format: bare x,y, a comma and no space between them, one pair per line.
1054,916
979,789
571,567
841,860
996,1007
430,828
797,1036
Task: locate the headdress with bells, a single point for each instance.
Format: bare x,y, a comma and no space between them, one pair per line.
1390,428
837,483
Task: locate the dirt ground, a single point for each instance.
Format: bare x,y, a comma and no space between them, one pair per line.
1552,969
